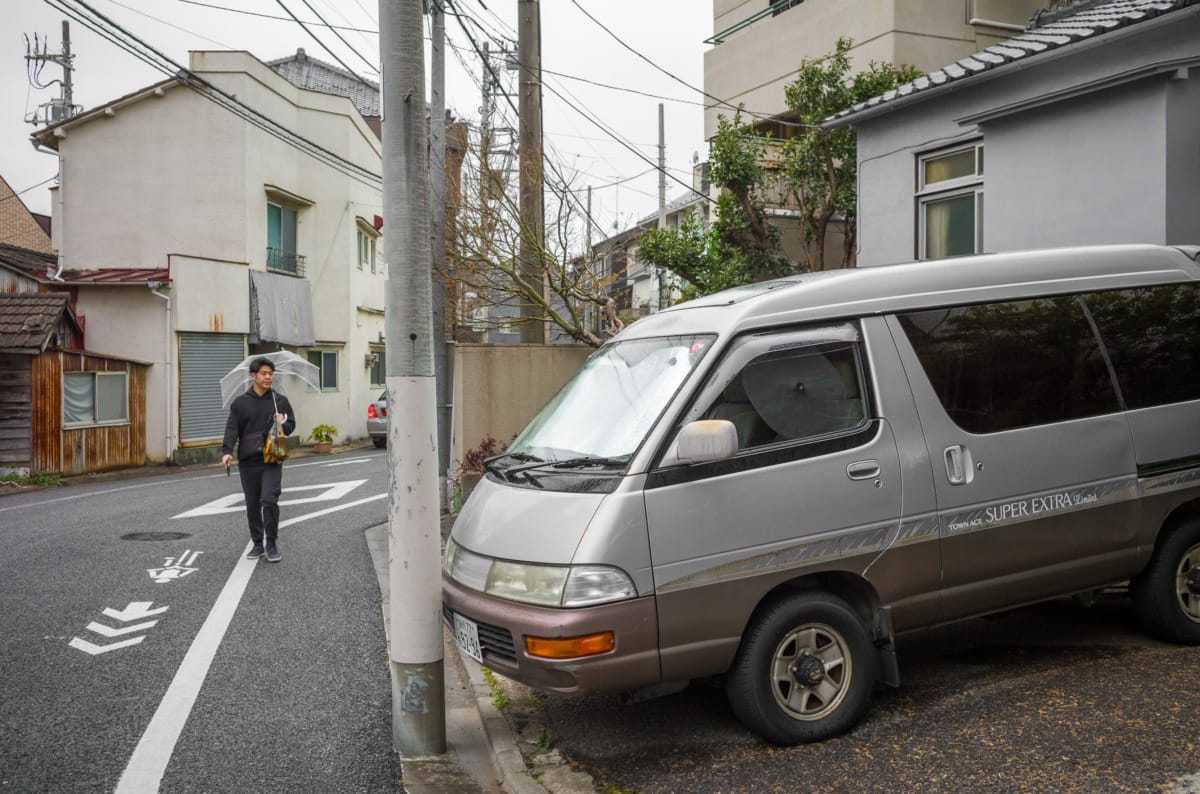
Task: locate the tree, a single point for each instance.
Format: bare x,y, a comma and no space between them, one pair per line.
818,171
820,166
487,270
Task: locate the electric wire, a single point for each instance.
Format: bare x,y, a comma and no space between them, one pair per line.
105,27
26,190
681,81
271,16
341,38
171,25
313,36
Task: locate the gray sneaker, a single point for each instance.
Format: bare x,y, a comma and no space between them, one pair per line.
255,552
273,553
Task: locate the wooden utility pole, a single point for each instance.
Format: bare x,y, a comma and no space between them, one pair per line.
414,536
529,147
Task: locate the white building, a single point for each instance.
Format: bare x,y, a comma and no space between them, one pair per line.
196,235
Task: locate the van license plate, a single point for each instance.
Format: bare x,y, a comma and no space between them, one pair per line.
466,637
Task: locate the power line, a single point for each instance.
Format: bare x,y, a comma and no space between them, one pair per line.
272,16
681,81
171,25
341,38
26,190
104,27
313,36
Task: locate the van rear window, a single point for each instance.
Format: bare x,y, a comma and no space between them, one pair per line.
1003,366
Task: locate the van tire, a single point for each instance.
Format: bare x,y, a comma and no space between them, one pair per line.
766,688
1166,605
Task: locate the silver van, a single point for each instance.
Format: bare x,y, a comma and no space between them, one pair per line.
768,484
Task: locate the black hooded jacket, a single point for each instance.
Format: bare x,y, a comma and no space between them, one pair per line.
250,418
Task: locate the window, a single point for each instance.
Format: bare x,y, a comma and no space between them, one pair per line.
1151,336
281,240
327,362
92,398
950,202
1007,365
794,394
379,367
367,237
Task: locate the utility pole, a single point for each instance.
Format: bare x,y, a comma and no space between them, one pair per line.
443,362
662,170
64,107
533,233
414,536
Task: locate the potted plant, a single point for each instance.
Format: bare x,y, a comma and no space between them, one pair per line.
322,436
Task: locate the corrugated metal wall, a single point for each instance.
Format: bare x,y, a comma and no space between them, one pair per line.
16,411
85,449
203,360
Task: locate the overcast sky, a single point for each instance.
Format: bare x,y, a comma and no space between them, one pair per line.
669,33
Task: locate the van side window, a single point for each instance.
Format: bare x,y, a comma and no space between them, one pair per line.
1152,335
1002,366
794,394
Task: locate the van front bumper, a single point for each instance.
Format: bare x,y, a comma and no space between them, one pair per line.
503,626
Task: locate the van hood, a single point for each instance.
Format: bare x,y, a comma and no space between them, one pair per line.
523,524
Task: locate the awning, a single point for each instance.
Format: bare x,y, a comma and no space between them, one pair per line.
280,310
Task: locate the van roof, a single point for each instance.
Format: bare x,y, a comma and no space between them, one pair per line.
927,284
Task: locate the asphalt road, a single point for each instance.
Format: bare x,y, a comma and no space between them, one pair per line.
259,677
1052,698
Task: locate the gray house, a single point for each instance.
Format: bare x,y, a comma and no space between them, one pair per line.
1082,129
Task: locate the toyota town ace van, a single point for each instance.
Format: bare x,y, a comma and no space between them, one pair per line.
769,484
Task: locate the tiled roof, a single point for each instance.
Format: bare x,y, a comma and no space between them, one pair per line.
26,261
304,71
1046,32
28,319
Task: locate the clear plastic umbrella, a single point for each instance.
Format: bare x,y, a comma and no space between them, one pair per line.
290,370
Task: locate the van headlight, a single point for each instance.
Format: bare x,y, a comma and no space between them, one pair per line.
543,585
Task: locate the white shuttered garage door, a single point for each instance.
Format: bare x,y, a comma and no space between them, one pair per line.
203,360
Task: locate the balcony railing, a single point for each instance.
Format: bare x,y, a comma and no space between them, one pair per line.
774,8
281,261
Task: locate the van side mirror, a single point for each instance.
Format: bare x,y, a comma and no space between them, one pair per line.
703,441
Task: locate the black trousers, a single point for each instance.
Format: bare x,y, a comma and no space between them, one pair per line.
261,483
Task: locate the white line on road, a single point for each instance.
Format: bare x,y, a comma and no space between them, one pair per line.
149,761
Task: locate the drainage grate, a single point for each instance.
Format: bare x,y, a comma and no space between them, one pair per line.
155,536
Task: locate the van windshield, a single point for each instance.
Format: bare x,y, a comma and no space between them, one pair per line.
608,407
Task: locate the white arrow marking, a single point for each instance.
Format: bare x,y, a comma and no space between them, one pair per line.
135,611
95,650
108,631
235,503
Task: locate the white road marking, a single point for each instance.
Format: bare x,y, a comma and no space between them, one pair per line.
346,463
146,766
96,650
235,503
106,631
135,611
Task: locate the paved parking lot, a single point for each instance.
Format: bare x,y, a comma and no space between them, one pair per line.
1057,697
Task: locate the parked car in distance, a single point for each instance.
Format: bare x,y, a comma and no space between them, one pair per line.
377,420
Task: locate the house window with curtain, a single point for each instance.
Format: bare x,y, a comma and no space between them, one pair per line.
950,202
327,362
95,398
367,238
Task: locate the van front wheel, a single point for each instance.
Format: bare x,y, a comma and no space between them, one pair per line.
1166,596
805,670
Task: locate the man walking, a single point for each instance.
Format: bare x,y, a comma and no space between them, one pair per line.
250,418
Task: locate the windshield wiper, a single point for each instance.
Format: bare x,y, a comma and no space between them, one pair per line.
490,463
567,463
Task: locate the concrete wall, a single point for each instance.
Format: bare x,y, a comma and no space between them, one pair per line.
499,388
754,65
1066,165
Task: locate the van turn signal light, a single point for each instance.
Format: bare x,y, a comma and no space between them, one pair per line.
570,647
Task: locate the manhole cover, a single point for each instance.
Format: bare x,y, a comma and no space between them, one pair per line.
155,536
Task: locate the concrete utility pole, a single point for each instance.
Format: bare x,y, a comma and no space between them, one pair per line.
443,361
662,170
414,536
533,232
64,107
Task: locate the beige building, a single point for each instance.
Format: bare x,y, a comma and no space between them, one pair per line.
757,45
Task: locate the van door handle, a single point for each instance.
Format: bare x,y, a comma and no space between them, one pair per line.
863,470
958,465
